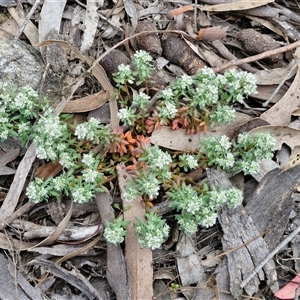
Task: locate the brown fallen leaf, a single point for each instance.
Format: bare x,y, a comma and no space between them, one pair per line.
9,156
239,5
280,113
87,103
139,259
48,170
180,141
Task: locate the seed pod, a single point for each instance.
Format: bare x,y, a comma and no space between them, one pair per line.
178,52
148,42
112,60
255,43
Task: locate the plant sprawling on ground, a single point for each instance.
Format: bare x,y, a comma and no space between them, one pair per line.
191,102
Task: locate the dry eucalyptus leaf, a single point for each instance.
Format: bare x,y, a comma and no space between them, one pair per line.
280,113
188,261
48,170
276,75
87,103
131,12
239,5
180,141
50,17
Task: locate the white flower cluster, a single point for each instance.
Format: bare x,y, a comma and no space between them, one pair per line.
188,161
50,134
200,209
88,130
115,231
153,232
168,110
148,185
217,149
37,191
141,100
224,114
127,115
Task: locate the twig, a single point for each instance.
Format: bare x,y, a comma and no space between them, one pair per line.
257,57
271,254
229,56
33,8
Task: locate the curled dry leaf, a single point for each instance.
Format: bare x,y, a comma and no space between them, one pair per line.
87,103
212,33
177,11
58,231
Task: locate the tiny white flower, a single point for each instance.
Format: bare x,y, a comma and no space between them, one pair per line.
88,159
81,131
90,175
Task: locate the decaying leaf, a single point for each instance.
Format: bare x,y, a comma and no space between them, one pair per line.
188,261
50,18
139,259
90,25
276,75
48,170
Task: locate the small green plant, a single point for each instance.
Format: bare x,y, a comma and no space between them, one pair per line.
240,156
192,103
115,231
153,232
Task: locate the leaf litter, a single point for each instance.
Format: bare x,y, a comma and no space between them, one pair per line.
245,237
